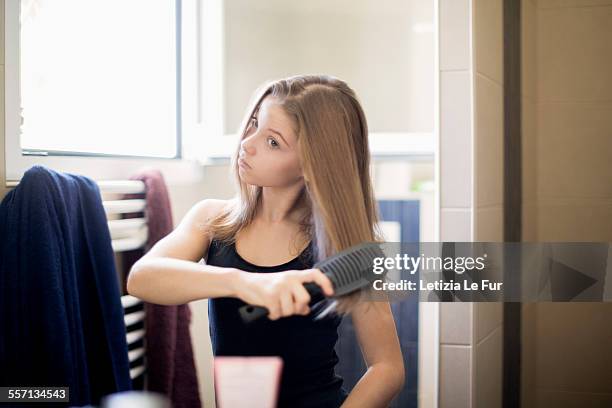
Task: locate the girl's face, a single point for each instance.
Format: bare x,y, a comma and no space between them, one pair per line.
269,155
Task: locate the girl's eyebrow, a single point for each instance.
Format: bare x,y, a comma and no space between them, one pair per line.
256,115
278,133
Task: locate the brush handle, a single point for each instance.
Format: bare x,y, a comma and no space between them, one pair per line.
251,313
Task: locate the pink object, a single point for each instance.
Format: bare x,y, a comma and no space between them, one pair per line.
247,381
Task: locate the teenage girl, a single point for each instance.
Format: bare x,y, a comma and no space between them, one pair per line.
302,172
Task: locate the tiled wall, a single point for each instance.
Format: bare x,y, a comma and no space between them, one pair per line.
488,190
529,180
574,119
528,116
567,176
471,201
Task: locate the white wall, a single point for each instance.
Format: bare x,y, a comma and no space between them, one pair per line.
370,45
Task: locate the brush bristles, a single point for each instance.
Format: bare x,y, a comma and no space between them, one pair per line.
346,269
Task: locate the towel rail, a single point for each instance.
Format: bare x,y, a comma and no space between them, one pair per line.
134,336
123,206
136,371
109,186
129,301
128,244
128,234
125,226
134,318
121,186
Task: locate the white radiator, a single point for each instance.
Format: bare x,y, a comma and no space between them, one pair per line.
128,234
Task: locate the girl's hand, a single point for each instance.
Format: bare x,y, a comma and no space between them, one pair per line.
282,293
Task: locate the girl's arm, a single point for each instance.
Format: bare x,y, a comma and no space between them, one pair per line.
168,274
169,281
380,346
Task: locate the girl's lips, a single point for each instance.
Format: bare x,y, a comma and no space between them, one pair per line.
243,163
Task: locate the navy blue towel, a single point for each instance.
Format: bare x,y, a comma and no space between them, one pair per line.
61,319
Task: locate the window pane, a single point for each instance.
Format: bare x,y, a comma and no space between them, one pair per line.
99,76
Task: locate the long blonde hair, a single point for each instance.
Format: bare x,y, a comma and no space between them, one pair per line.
338,196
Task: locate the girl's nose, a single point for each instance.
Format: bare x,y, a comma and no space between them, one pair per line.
247,145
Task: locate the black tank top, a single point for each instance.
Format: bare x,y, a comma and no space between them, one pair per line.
306,346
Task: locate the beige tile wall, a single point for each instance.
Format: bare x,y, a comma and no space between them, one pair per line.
529,180
528,118
471,166
488,189
567,176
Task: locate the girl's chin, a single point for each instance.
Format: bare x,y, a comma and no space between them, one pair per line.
242,173
246,179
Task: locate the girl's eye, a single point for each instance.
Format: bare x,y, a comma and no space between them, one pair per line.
273,142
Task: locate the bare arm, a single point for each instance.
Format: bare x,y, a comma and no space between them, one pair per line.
380,346
170,274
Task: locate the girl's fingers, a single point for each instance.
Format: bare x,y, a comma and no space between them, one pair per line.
301,298
274,311
323,281
286,300
295,301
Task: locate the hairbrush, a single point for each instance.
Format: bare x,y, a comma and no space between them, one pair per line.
349,270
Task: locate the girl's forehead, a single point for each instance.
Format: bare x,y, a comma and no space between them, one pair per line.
273,116
271,106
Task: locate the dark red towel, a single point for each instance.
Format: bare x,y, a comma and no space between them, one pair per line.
170,363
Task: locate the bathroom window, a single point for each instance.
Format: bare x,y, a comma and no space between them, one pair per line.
99,77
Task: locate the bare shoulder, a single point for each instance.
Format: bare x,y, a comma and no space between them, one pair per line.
201,214
206,210
190,240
